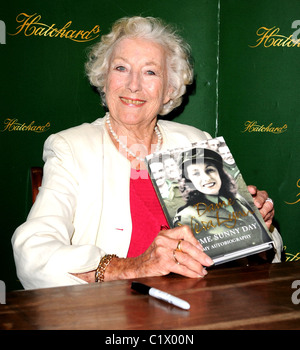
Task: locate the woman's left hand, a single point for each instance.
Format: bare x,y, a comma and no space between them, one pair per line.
263,203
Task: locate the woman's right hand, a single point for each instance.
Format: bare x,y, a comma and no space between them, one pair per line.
158,259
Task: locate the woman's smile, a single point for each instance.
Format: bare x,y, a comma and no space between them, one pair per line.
132,102
209,184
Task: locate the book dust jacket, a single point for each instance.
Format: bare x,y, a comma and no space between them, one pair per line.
201,186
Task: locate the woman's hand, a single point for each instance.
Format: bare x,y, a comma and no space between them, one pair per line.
161,258
158,260
263,203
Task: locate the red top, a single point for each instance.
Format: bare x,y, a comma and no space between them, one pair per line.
146,213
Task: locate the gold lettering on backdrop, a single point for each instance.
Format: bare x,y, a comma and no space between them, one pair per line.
297,195
31,25
270,37
252,126
290,256
13,125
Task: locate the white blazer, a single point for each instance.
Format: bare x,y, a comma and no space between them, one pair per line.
82,211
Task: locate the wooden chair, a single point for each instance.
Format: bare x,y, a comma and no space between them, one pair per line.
36,175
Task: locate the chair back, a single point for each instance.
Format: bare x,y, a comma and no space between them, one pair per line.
36,175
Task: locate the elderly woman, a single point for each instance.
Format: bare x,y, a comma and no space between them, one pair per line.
97,217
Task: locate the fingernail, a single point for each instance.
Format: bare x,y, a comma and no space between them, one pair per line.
208,261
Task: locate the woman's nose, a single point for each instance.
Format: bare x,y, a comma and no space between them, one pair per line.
134,82
205,177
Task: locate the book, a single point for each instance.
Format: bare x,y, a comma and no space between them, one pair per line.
202,186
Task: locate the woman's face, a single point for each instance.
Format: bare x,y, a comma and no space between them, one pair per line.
205,177
137,82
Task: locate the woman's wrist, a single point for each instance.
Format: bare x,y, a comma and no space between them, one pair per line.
88,277
121,268
116,269
101,269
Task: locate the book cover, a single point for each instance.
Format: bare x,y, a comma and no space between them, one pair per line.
201,186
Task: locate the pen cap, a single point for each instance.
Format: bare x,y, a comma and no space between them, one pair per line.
141,288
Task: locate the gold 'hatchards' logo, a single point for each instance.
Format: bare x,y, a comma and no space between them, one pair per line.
271,37
32,25
253,126
12,124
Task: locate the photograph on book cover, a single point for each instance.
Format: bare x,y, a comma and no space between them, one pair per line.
201,186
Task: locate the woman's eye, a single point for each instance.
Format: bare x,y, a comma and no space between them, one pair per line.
150,72
120,68
210,170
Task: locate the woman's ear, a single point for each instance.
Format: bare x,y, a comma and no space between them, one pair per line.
168,95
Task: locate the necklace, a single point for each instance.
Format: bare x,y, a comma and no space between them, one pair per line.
116,137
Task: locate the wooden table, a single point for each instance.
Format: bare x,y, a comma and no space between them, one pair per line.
255,297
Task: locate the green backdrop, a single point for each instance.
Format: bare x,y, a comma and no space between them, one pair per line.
240,92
